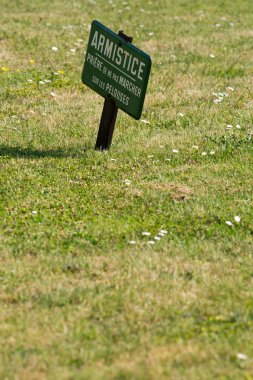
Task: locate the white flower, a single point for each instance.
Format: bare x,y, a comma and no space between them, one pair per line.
241,356
212,152
151,156
54,48
161,234
203,153
113,159
222,94
141,26
230,88
41,82
217,25
72,50
47,81
231,24
238,126
151,34
181,114
145,121
195,147
127,182
237,219
151,242
212,56
132,242
164,231
174,150
29,80
229,126
145,233
167,159
53,94
161,146
34,212
217,101
229,223
157,238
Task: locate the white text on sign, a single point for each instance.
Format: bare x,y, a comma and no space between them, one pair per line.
118,55
95,62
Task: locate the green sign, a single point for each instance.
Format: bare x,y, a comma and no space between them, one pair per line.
116,69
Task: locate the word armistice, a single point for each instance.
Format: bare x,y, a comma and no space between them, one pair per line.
118,55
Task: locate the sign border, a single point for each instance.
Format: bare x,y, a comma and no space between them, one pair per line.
138,51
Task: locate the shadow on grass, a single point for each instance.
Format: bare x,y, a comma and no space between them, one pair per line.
14,151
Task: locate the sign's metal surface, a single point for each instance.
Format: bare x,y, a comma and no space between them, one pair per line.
116,69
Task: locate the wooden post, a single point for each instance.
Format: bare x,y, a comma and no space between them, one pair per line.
107,124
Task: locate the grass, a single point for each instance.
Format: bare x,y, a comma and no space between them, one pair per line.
78,301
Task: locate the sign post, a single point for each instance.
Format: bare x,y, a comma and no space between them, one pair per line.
118,71
106,126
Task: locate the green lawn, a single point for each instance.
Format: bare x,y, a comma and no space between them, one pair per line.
84,294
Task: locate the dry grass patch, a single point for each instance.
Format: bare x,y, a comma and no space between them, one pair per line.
7,56
178,192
